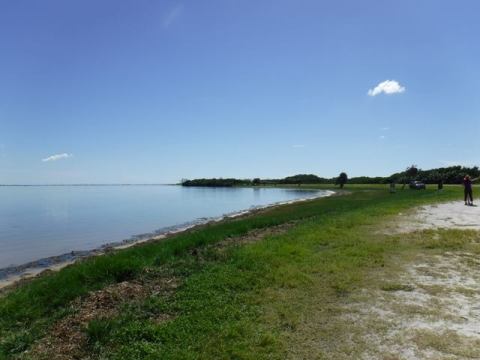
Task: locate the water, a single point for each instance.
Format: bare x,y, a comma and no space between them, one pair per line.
42,221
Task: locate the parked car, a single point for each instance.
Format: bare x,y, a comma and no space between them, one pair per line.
417,185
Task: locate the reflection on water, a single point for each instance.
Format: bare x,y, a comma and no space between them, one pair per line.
37,222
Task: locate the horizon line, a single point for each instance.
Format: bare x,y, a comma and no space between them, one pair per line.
93,184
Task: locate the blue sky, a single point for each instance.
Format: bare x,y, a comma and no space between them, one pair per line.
155,91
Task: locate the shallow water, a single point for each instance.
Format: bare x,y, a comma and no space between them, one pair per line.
42,221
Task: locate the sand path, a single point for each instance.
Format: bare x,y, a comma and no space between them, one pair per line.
430,307
423,304
451,215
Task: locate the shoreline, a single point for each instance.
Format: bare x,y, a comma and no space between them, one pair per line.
12,275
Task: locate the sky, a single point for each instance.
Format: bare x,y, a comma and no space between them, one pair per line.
145,91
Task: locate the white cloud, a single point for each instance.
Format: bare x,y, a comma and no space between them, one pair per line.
172,15
298,146
387,87
57,157
382,137
385,128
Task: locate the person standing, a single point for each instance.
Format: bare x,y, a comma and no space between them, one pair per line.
468,192
392,187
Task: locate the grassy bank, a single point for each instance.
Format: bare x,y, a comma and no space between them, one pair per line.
230,299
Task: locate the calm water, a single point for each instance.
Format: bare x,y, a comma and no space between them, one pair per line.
38,222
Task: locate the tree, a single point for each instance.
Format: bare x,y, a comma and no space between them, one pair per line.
256,181
411,172
341,180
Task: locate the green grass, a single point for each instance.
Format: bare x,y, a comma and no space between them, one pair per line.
224,307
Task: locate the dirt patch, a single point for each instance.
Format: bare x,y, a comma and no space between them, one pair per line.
255,235
67,338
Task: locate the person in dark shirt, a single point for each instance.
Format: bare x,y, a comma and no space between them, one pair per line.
468,193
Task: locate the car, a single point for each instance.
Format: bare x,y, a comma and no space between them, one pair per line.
417,185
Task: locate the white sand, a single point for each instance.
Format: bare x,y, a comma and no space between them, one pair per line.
449,215
438,319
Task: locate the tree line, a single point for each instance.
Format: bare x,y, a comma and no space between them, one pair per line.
446,175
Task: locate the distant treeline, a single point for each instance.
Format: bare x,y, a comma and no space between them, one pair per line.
216,182
448,175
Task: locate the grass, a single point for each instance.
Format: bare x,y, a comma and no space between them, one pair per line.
449,343
397,287
237,304
97,331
